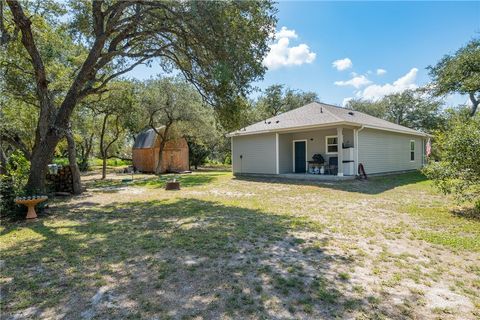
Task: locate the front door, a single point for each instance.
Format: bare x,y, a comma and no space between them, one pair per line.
299,154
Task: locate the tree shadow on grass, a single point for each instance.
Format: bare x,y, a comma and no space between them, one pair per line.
179,258
374,185
469,213
186,181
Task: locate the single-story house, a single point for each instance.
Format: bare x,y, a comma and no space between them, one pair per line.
146,148
343,138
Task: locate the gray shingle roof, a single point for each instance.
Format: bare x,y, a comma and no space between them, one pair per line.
146,139
316,113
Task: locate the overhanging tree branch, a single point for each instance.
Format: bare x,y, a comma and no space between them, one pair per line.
15,141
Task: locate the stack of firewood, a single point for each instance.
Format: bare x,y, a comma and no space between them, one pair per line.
62,181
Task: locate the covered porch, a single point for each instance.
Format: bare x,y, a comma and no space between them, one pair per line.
327,153
314,177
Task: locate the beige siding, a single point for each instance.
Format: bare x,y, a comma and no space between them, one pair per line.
382,151
285,153
315,144
257,151
318,144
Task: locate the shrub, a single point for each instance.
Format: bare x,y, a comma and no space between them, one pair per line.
18,168
8,208
12,184
228,159
458,171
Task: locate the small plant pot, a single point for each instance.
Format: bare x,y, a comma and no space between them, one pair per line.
172,185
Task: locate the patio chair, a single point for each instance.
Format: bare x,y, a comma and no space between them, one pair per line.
332,167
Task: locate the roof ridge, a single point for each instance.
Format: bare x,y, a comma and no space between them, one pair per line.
327,105
330,105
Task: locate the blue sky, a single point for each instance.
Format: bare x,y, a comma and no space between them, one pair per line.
401,38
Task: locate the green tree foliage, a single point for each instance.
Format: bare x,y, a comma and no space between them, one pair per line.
277,99
12,182
110,117
205,137
409,108
458,171
459,73
237,113
373,108
170,105
85,131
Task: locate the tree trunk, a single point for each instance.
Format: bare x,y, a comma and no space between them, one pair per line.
86,149
42,155
475,104
3,161
163,141
72,159
103,152
159,170
104,167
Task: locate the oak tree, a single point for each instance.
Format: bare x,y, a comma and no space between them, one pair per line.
217,46
167,103
459,73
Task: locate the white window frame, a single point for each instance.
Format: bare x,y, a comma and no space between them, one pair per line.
306,152
326,144
410,147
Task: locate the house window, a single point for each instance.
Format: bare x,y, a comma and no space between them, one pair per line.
331,144
412,150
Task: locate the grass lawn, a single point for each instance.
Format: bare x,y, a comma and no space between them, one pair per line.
230,248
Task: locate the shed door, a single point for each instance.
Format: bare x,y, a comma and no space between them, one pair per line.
299,155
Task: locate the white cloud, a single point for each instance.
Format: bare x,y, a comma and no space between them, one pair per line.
286,33
342,64
282,54
356,81
381,72
375,91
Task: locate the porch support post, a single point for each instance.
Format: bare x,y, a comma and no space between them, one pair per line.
277,158
355,150
340,151
232,157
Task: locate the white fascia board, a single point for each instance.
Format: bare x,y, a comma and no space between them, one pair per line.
282,130
319,126
417,133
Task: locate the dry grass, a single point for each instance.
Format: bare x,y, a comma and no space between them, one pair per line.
239,248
